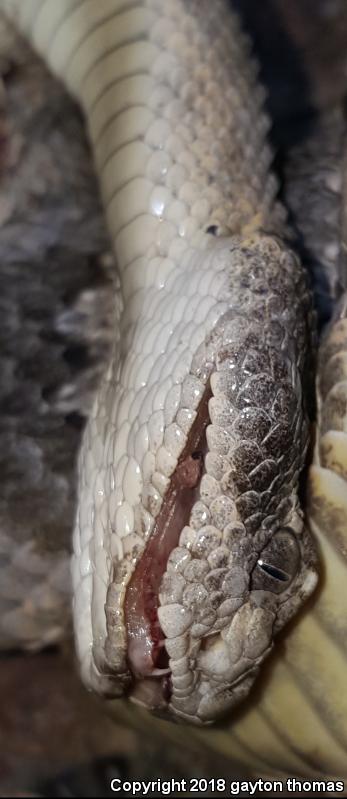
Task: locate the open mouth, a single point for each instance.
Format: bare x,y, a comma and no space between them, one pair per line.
147,657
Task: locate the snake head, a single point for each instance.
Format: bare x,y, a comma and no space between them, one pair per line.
219,558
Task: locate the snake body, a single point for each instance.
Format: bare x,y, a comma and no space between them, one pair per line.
189,536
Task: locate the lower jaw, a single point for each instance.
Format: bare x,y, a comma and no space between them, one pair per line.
147,657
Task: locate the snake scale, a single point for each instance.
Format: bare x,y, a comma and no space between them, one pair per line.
190,545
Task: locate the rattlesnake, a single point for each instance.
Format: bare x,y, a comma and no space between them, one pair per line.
213,343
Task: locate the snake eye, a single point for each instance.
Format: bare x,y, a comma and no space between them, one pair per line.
277,564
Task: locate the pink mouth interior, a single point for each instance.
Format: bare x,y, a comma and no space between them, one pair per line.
146,653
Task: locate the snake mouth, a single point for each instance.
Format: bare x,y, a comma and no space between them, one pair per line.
148,660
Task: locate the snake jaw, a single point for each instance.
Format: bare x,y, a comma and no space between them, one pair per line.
218,627
184,572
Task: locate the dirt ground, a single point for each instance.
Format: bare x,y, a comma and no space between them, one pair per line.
57,739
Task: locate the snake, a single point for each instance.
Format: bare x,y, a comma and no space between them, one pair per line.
192,549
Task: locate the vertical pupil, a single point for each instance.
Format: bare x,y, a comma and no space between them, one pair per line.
278,574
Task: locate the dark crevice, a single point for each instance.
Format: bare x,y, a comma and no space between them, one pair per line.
301,55
76,420
77,356
283,72
289,100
